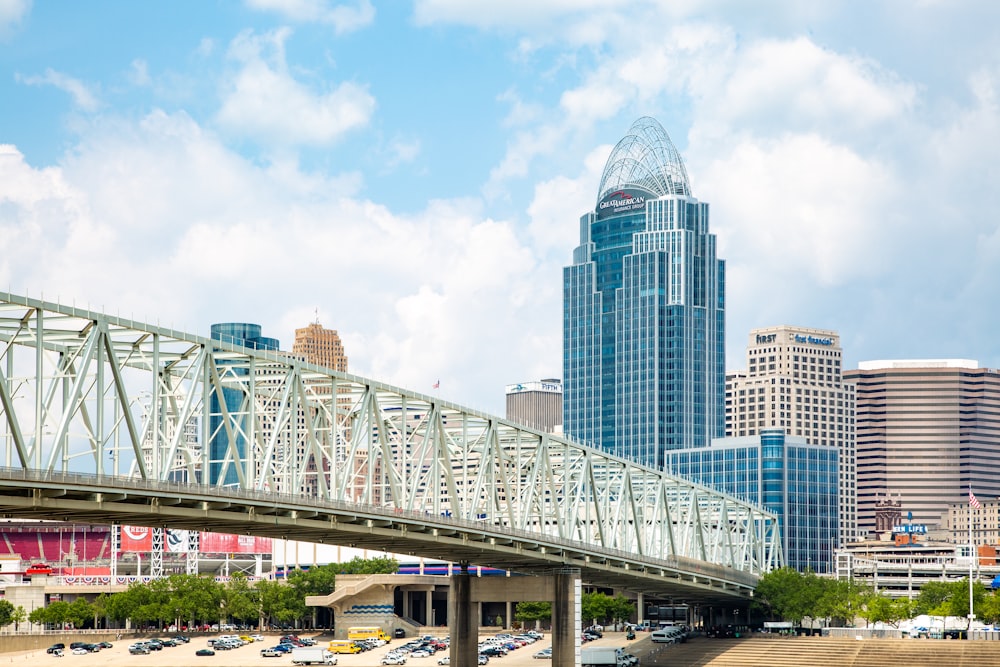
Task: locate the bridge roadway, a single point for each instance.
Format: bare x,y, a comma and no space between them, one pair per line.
85,498
107,420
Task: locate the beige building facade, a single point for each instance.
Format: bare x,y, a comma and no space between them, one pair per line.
320,346
927,430
794,380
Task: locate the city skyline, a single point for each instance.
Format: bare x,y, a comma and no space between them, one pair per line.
415,171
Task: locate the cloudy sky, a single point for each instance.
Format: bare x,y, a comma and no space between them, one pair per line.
414,172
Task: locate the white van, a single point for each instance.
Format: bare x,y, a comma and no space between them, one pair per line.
667,635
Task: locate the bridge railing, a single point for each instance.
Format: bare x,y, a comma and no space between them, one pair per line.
83,392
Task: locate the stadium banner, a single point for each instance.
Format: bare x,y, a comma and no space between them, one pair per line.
139,539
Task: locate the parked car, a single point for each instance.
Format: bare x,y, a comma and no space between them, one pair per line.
204,651
271,653
138,649
55,647
80,651
544,654
394,659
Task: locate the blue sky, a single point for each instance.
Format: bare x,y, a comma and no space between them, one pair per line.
415,171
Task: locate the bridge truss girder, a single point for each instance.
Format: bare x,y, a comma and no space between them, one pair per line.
86,393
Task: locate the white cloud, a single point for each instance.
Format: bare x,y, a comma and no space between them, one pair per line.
343,17
191,233
524,14
796,86
83,98
12,13
265,102
402,151
558,203
206,47
807,209
139,73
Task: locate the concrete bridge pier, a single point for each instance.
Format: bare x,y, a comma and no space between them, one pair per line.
566,618
563,588
464,649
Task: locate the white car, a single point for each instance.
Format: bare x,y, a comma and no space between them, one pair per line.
445,660
420,653
257,638
80,651
391,659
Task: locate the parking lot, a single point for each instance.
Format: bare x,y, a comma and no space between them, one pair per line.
249,655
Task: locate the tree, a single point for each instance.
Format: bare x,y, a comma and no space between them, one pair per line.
379,565
240,600
988,610
7,610
595,607
19,616
933,598
280,602
530,611
80,612
880,608
620,609
841,601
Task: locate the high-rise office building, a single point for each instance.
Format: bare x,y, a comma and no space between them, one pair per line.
320,346
927,429
644,310
794,381
323,347
785,475
536,404
235,403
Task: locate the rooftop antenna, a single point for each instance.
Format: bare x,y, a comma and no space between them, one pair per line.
317,316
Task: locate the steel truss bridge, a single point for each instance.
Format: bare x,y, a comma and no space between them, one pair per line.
104,419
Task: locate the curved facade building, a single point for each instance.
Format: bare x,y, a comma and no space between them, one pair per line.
246,335
644,310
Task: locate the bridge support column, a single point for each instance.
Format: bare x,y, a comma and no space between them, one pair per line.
566,625
464,632
640,608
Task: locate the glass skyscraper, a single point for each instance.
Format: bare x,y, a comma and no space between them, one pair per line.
644,310
247,335
786,475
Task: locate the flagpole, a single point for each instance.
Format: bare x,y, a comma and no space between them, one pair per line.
972,548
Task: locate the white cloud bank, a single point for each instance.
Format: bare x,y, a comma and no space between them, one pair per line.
158,220
265,102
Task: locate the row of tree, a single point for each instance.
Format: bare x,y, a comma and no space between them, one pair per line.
192,600
196,600
597,607
789,595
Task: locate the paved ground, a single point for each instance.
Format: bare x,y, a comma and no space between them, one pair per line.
249,656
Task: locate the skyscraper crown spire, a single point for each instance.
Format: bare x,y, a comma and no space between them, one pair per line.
645,158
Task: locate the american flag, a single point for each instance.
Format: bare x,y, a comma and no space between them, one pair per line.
437,385
973,500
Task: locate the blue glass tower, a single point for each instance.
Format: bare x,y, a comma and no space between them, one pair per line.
644,310
246,335
784,474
